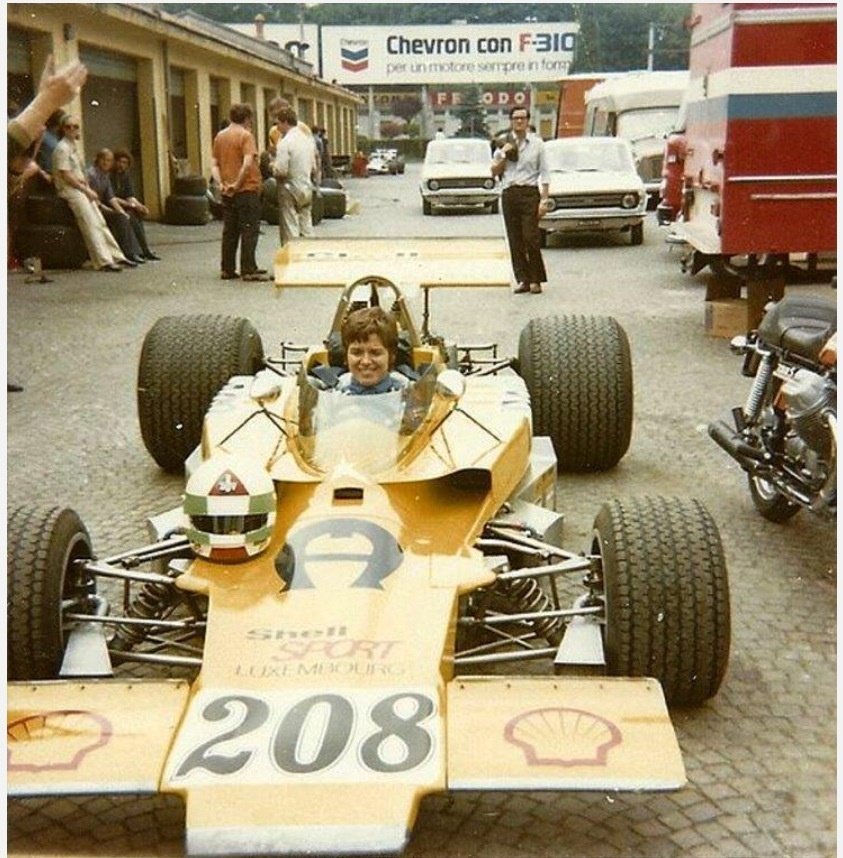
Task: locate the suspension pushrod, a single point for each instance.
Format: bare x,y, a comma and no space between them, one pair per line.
578,565
502,531
151,658
537,615
136,621
150,552
105,571
532,655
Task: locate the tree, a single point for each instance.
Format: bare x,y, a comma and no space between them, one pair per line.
472,114
407,108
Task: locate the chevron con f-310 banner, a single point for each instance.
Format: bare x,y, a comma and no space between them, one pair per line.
457,53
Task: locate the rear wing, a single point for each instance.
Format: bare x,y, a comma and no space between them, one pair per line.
424,262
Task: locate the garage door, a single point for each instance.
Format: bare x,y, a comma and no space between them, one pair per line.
110,106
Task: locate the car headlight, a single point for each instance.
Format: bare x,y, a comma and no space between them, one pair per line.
489,184
433,185
551,204
629,201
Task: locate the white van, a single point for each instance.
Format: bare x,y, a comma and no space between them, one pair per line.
642,108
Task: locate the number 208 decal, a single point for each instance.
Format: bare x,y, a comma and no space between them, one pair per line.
256,738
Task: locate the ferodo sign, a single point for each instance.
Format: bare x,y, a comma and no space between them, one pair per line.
471,53
491,98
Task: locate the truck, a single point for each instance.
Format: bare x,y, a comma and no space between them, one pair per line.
756,152
570,104
641,107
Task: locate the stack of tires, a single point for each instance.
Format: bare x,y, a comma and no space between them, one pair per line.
50,232
333,198
188,205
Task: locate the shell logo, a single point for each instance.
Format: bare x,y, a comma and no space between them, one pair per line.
55,741
560,736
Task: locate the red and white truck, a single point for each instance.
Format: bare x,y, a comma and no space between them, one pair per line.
757,147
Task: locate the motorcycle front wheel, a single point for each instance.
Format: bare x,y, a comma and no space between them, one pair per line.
773,505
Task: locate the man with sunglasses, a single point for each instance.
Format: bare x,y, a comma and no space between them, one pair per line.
520,162
72,186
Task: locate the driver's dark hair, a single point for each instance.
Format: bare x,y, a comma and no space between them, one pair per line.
359,324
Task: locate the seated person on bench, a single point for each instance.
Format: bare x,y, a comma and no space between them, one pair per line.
370,341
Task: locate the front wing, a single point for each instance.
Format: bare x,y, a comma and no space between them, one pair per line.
485,733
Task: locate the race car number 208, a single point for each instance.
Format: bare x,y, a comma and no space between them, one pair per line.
244,737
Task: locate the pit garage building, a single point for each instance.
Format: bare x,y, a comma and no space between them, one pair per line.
160,85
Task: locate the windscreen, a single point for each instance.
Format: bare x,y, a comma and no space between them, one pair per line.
588,154
639,124
367,432
458,152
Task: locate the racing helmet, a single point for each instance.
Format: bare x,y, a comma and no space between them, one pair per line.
229,507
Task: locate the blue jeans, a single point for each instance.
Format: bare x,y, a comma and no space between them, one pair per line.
241,222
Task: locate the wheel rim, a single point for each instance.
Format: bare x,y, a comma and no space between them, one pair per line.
71,583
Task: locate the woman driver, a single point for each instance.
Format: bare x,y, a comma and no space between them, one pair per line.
370,341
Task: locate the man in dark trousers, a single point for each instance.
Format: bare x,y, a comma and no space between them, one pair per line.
520,162
235,169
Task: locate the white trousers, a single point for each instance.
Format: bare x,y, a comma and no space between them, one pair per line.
295,223
101,245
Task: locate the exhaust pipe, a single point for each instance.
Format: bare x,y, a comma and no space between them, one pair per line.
731,441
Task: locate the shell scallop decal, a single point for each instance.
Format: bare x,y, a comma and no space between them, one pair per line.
563,737
55,741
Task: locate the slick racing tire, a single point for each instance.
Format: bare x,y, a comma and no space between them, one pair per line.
773,506
269,201
666,595
55,245
333,203
49,209
317,211
184,362
579,373
184,210
190,186
43,545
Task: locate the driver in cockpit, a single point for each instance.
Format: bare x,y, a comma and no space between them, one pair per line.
370,341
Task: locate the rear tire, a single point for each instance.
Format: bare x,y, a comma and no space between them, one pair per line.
190,186
56,246
579,373
43,545
183,210
666,595
184,362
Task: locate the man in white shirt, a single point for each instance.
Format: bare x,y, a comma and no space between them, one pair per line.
520,163
296,168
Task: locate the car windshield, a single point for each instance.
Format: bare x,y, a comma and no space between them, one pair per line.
640,124
588,154
367,432
458,152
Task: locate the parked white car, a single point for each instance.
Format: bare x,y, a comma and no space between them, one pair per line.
594,187
458,172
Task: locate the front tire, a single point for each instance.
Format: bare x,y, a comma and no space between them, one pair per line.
185,360
427,208
41,575
578,371
666,595
636,234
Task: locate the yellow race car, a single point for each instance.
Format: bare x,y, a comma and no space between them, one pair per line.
350,583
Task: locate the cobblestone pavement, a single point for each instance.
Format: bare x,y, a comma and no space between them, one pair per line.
760,757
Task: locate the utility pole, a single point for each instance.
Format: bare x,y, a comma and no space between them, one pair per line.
651,44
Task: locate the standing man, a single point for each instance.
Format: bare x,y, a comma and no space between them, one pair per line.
235,169
296,167
520,163
72,186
